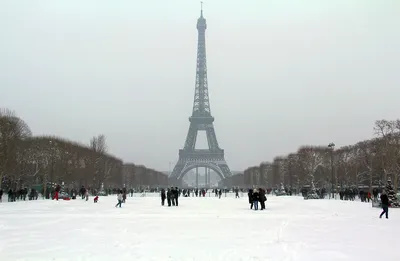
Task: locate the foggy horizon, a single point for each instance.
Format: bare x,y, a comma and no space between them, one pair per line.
281,74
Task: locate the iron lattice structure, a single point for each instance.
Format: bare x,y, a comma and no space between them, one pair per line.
201,120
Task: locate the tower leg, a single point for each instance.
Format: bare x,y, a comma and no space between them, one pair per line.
205,177
197,177
209,177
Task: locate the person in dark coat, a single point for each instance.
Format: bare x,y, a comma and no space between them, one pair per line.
169,196
173,196
82,192
163,196
375,192
385,204
250,195
124,196
263,198
176,195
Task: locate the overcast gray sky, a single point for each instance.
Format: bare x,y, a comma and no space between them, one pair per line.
281,73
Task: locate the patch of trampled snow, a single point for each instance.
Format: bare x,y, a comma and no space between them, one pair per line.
290,229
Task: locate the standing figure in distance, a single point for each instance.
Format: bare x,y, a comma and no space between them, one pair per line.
256,198
163,196
262,198
250,195
237,193
176,195
169,197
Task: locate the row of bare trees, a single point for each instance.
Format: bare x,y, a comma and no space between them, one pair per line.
366,164
26,160
140,177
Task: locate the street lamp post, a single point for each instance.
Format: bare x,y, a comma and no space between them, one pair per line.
332,147
52,167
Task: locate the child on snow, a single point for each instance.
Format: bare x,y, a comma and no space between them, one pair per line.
96,199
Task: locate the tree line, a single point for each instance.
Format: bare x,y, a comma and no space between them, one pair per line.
369,163
27,160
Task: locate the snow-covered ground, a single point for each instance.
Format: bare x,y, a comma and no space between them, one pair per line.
291,229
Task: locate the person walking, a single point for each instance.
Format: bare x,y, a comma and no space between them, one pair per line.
385,204
120,198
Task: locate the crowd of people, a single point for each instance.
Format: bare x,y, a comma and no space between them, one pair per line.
257,196
171,195
20,194
351,193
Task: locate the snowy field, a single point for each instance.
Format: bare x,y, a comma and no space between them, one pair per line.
290,229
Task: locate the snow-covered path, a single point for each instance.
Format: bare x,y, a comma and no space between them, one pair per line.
291,229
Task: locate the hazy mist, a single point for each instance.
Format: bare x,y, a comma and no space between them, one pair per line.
281,73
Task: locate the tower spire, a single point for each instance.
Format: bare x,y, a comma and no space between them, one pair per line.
201,105
201,8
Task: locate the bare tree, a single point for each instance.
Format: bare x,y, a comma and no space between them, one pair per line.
283,169
48,160
389,134
265,172
311,158
367,152
293,170
345,160
129,174
12,130
26,167
275,173
98,162
99,144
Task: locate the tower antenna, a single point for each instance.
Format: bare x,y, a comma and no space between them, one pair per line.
201,6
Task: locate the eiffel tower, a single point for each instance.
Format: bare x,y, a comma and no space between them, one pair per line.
201,120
